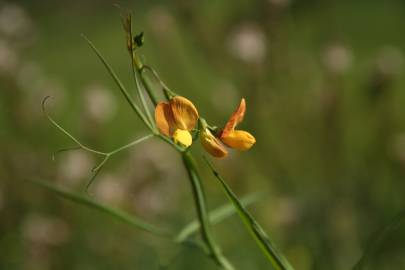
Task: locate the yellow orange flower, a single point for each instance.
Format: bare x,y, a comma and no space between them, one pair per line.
176,119
238,139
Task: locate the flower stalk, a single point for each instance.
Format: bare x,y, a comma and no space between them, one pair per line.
167,113
146,82
202,213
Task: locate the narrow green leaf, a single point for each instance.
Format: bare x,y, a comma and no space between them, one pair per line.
215,216
119,84
118,214
379,238
267,246
141,96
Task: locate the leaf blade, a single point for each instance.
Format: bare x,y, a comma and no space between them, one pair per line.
215,216
267,246
118,82
116,213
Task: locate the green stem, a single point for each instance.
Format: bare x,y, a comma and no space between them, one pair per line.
120,85
189,163
200,203
145,81
148,86
140,94
130,144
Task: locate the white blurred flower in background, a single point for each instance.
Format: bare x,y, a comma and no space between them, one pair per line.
390,61
109,189
40,234
161,22
15,22
153,154
152,200
99,103
248,43
9,58
42,230
74,166
35,85
154,172
337,58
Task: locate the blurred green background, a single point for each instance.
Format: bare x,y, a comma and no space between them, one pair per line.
324,83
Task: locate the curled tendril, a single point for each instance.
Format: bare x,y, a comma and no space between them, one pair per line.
81,146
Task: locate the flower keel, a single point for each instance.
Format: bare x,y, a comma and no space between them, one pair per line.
239,139
182,137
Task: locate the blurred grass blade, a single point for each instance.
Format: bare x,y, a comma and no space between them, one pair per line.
118,214
119,84
379,238
216,216
277,260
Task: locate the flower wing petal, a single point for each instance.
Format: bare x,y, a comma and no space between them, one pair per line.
184,112
235,118
239,139
164,119
212,145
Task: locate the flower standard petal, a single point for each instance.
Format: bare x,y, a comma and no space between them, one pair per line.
184,112
164,119
235,118
239,139
212,145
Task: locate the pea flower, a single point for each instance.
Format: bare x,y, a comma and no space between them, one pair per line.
237,139
176,119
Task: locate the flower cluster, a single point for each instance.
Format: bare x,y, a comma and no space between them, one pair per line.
178,118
